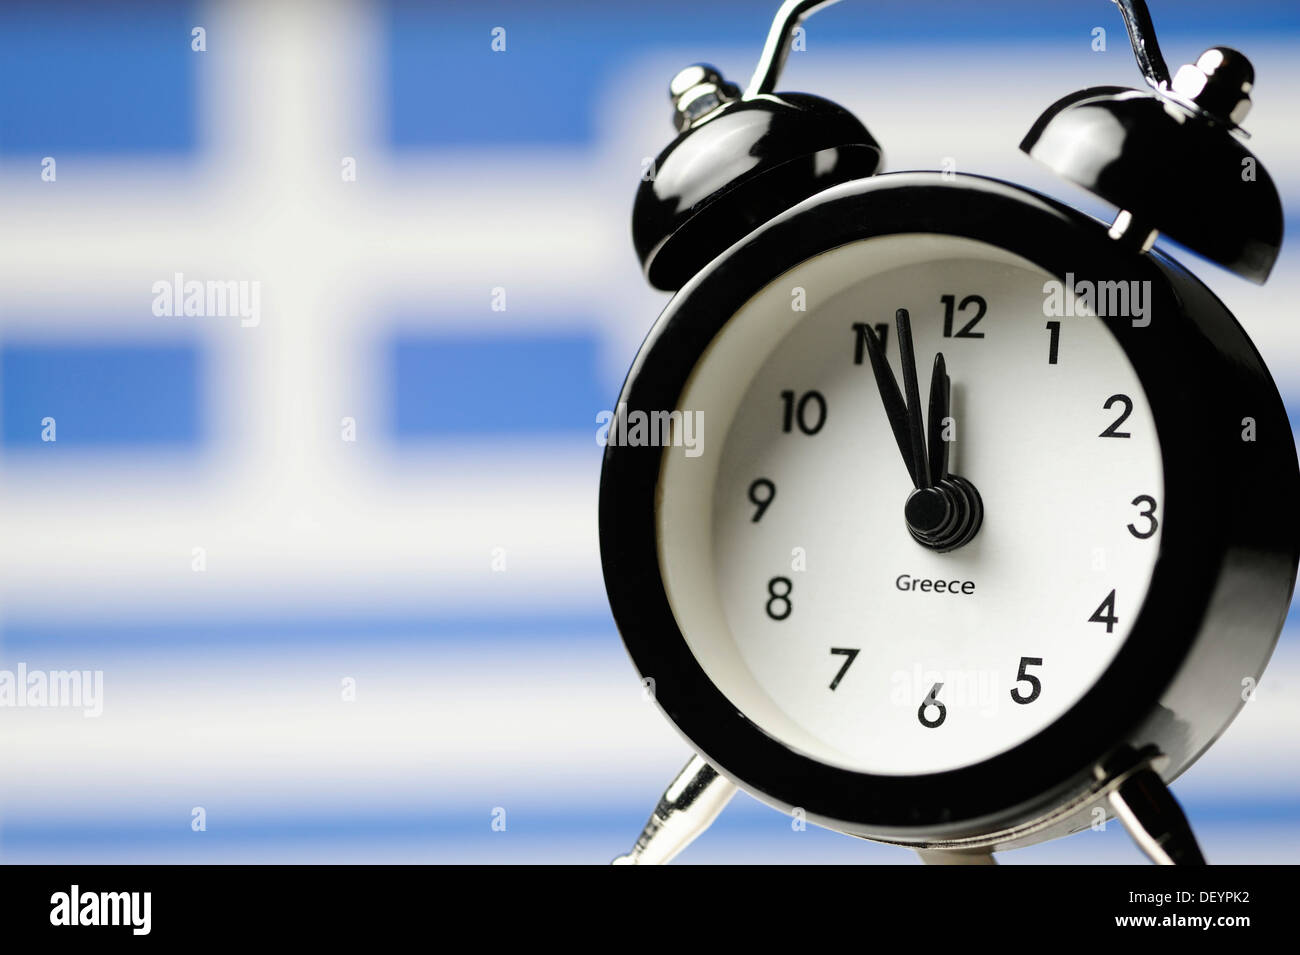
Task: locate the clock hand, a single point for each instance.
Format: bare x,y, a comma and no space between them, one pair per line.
947,514
944,511
915,427
940,405
905,415
891,398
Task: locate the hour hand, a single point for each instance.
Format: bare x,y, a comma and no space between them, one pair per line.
940,405
947,514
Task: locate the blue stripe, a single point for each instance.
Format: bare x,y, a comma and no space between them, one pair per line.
469,827
121,77
21,638
591,626
447,87
100,395
465,833
98,78
498,385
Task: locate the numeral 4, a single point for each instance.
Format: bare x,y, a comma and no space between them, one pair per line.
1106,613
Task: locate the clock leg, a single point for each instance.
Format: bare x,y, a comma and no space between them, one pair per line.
686,809
956,857
1155,820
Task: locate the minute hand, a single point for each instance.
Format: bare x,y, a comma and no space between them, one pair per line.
915,426
895,408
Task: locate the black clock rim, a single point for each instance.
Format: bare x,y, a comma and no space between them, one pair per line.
1033,775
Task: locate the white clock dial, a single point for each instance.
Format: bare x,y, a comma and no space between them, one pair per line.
785,553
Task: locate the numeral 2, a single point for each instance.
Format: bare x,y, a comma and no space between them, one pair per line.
1110,432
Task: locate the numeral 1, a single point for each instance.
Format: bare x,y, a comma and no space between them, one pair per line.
860,339
1054,342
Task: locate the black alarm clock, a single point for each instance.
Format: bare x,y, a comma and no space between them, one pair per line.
987,526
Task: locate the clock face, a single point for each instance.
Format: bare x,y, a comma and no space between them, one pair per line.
786,555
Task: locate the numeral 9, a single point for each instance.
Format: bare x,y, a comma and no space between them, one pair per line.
761,494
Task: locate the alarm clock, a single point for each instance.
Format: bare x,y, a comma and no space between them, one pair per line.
935,511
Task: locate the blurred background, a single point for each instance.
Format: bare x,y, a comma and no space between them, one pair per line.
339,565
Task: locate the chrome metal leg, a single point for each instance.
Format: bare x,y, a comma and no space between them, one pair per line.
1154,819
685,810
